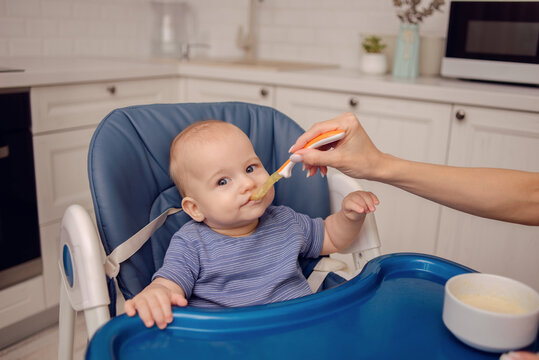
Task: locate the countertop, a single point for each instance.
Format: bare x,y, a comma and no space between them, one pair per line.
56,71
352,81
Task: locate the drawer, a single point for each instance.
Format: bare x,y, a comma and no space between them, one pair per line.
71,106
199,90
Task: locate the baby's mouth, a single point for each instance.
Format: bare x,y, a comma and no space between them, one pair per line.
249,201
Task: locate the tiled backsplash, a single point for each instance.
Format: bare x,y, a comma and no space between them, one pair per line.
74,28
301,30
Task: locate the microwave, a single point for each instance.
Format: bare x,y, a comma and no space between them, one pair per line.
493,41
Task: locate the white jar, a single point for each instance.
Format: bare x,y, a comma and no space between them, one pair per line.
374,63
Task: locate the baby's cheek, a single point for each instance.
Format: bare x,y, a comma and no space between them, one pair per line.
270,196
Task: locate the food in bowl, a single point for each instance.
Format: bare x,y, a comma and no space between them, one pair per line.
490,312
492,303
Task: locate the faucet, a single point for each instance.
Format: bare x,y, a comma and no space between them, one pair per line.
247,42
185,49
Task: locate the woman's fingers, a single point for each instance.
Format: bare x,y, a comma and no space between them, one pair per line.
314,131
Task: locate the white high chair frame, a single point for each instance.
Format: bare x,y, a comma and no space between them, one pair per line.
85,288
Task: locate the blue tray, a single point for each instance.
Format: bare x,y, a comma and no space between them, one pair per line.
392,310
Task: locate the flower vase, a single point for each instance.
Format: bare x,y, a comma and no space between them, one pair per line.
406,62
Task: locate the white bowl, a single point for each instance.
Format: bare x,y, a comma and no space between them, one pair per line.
490,312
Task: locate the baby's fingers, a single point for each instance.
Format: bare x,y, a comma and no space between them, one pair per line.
177,299
144,312
370,200
355,204
374,197
130,308
162,310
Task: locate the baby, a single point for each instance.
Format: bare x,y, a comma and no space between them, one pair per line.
236,251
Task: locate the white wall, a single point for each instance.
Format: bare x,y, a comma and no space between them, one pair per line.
74,27
301,30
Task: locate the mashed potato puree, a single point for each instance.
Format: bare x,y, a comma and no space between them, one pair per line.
492,303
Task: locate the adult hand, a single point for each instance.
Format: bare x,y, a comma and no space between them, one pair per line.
355,155
519,355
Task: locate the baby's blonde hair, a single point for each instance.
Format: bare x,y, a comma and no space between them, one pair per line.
199,131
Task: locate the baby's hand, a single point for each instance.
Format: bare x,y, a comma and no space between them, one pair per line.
154,303
359,203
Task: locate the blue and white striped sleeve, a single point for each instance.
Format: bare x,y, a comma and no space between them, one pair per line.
313,230
181,264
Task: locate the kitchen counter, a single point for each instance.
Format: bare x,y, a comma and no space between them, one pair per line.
53,71
436,89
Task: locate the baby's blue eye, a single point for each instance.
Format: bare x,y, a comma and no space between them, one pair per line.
222,182
250,169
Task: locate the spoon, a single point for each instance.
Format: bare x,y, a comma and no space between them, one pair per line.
285,171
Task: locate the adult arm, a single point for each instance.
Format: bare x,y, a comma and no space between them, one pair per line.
502,194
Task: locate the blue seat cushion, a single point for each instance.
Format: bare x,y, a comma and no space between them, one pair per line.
130,184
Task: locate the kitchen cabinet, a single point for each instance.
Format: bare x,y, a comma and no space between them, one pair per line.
85,105
202,90
483,137
21,300
61,170
64,118
410,129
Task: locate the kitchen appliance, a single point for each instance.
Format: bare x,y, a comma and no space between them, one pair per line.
20,254
173,28
494,41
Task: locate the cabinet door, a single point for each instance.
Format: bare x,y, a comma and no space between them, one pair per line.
61,172
492,138
409,129
21,300
199,90
69,106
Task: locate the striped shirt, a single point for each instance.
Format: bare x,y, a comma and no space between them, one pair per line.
216,270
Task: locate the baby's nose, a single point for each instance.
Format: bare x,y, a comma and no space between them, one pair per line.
248,184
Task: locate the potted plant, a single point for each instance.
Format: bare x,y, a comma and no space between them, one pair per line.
373,60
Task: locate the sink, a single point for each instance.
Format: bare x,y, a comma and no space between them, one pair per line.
273,65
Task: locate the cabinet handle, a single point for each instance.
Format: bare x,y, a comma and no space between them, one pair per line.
111,89
4,152
460,115
264,92
353,102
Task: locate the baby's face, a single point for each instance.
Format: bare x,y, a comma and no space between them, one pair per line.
223,173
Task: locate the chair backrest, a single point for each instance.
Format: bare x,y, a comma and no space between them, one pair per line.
130,184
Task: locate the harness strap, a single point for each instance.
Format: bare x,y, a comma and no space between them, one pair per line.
321,271
129,247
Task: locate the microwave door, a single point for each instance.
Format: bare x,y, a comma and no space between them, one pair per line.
484,35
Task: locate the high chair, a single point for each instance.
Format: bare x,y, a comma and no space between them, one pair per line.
130,185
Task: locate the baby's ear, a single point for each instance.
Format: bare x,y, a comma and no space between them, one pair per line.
190,206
